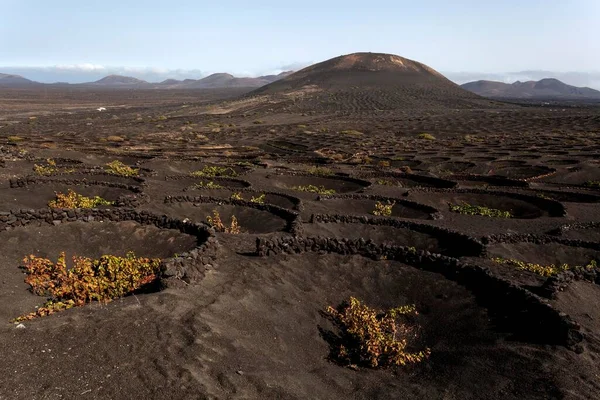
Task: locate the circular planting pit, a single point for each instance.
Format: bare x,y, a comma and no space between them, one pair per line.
87,239
420,237
186,182
544,254
38,195
338,185
523,171
93,177
367,206
452,167
250,220
291,303
519,206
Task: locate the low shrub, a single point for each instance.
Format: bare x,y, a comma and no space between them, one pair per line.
116,167
258,199
592,184
314,189
384,210
374,338
213,171
75,200
236,196
426,136
103,280
544,270
320,171
216,222
469,209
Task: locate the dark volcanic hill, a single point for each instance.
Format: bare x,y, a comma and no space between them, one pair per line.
546,88
8,80
119,80
370,81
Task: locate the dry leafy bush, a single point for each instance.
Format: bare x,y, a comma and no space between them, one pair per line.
212,171
384,210
116,167
236,196
75,200
102,280
469,209
374,338
258,199
544,270
314,189
216,222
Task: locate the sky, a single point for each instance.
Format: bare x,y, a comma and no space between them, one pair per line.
153,39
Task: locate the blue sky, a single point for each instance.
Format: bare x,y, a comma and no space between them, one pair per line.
252,38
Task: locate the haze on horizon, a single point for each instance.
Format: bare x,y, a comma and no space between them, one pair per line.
154,40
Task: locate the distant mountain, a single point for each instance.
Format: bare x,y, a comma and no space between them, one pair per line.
214,81
224,80
548,88
7,80
119,80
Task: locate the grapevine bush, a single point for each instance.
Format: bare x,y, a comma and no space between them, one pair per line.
103,280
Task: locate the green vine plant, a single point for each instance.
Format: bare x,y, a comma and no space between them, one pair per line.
320,171
592,184
545,270
50,169
374,338
102,280
236,196
213,171
75,200
314,189
116,167
384,210
258,199
469,209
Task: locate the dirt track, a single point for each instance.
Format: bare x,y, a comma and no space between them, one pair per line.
250,327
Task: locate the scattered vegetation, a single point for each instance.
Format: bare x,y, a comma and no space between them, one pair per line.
385,182
351,132
592,184
544,270
207,185
46,170
103,280
383,164
216,222
75,200
258,199
115,139
15,139
426,136
469,209
373,338
116,167
236,196
314,189
258,122
320,171
212,171
384,210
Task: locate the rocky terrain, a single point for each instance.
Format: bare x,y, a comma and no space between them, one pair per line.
486,202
